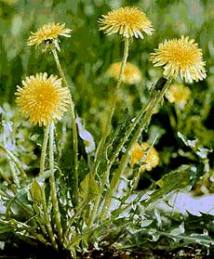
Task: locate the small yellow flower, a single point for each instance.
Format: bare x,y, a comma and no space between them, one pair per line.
178,94
146,154
131,75
180,57
42,99
50,31
126,21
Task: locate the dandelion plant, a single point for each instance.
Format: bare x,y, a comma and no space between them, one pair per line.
91,202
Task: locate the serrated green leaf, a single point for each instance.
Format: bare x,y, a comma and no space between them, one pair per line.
172,181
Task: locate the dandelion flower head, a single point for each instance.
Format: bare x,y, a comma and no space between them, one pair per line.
126,21
178,94
50,31
146,154
180,57
131,75
42,99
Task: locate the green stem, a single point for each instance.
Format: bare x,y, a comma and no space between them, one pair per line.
125,158
112,159
59,67
40,220
126,137
107,127
44,150
113,103
44,204
53,185
47,220
74,128
179,118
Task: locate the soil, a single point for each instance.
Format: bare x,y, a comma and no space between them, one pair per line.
181,253
27,252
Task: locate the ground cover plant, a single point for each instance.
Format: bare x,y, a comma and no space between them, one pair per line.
106,134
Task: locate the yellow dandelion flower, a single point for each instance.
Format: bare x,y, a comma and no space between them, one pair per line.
178,94
145,153
131,75
50,31
180,57
42,99
126,21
